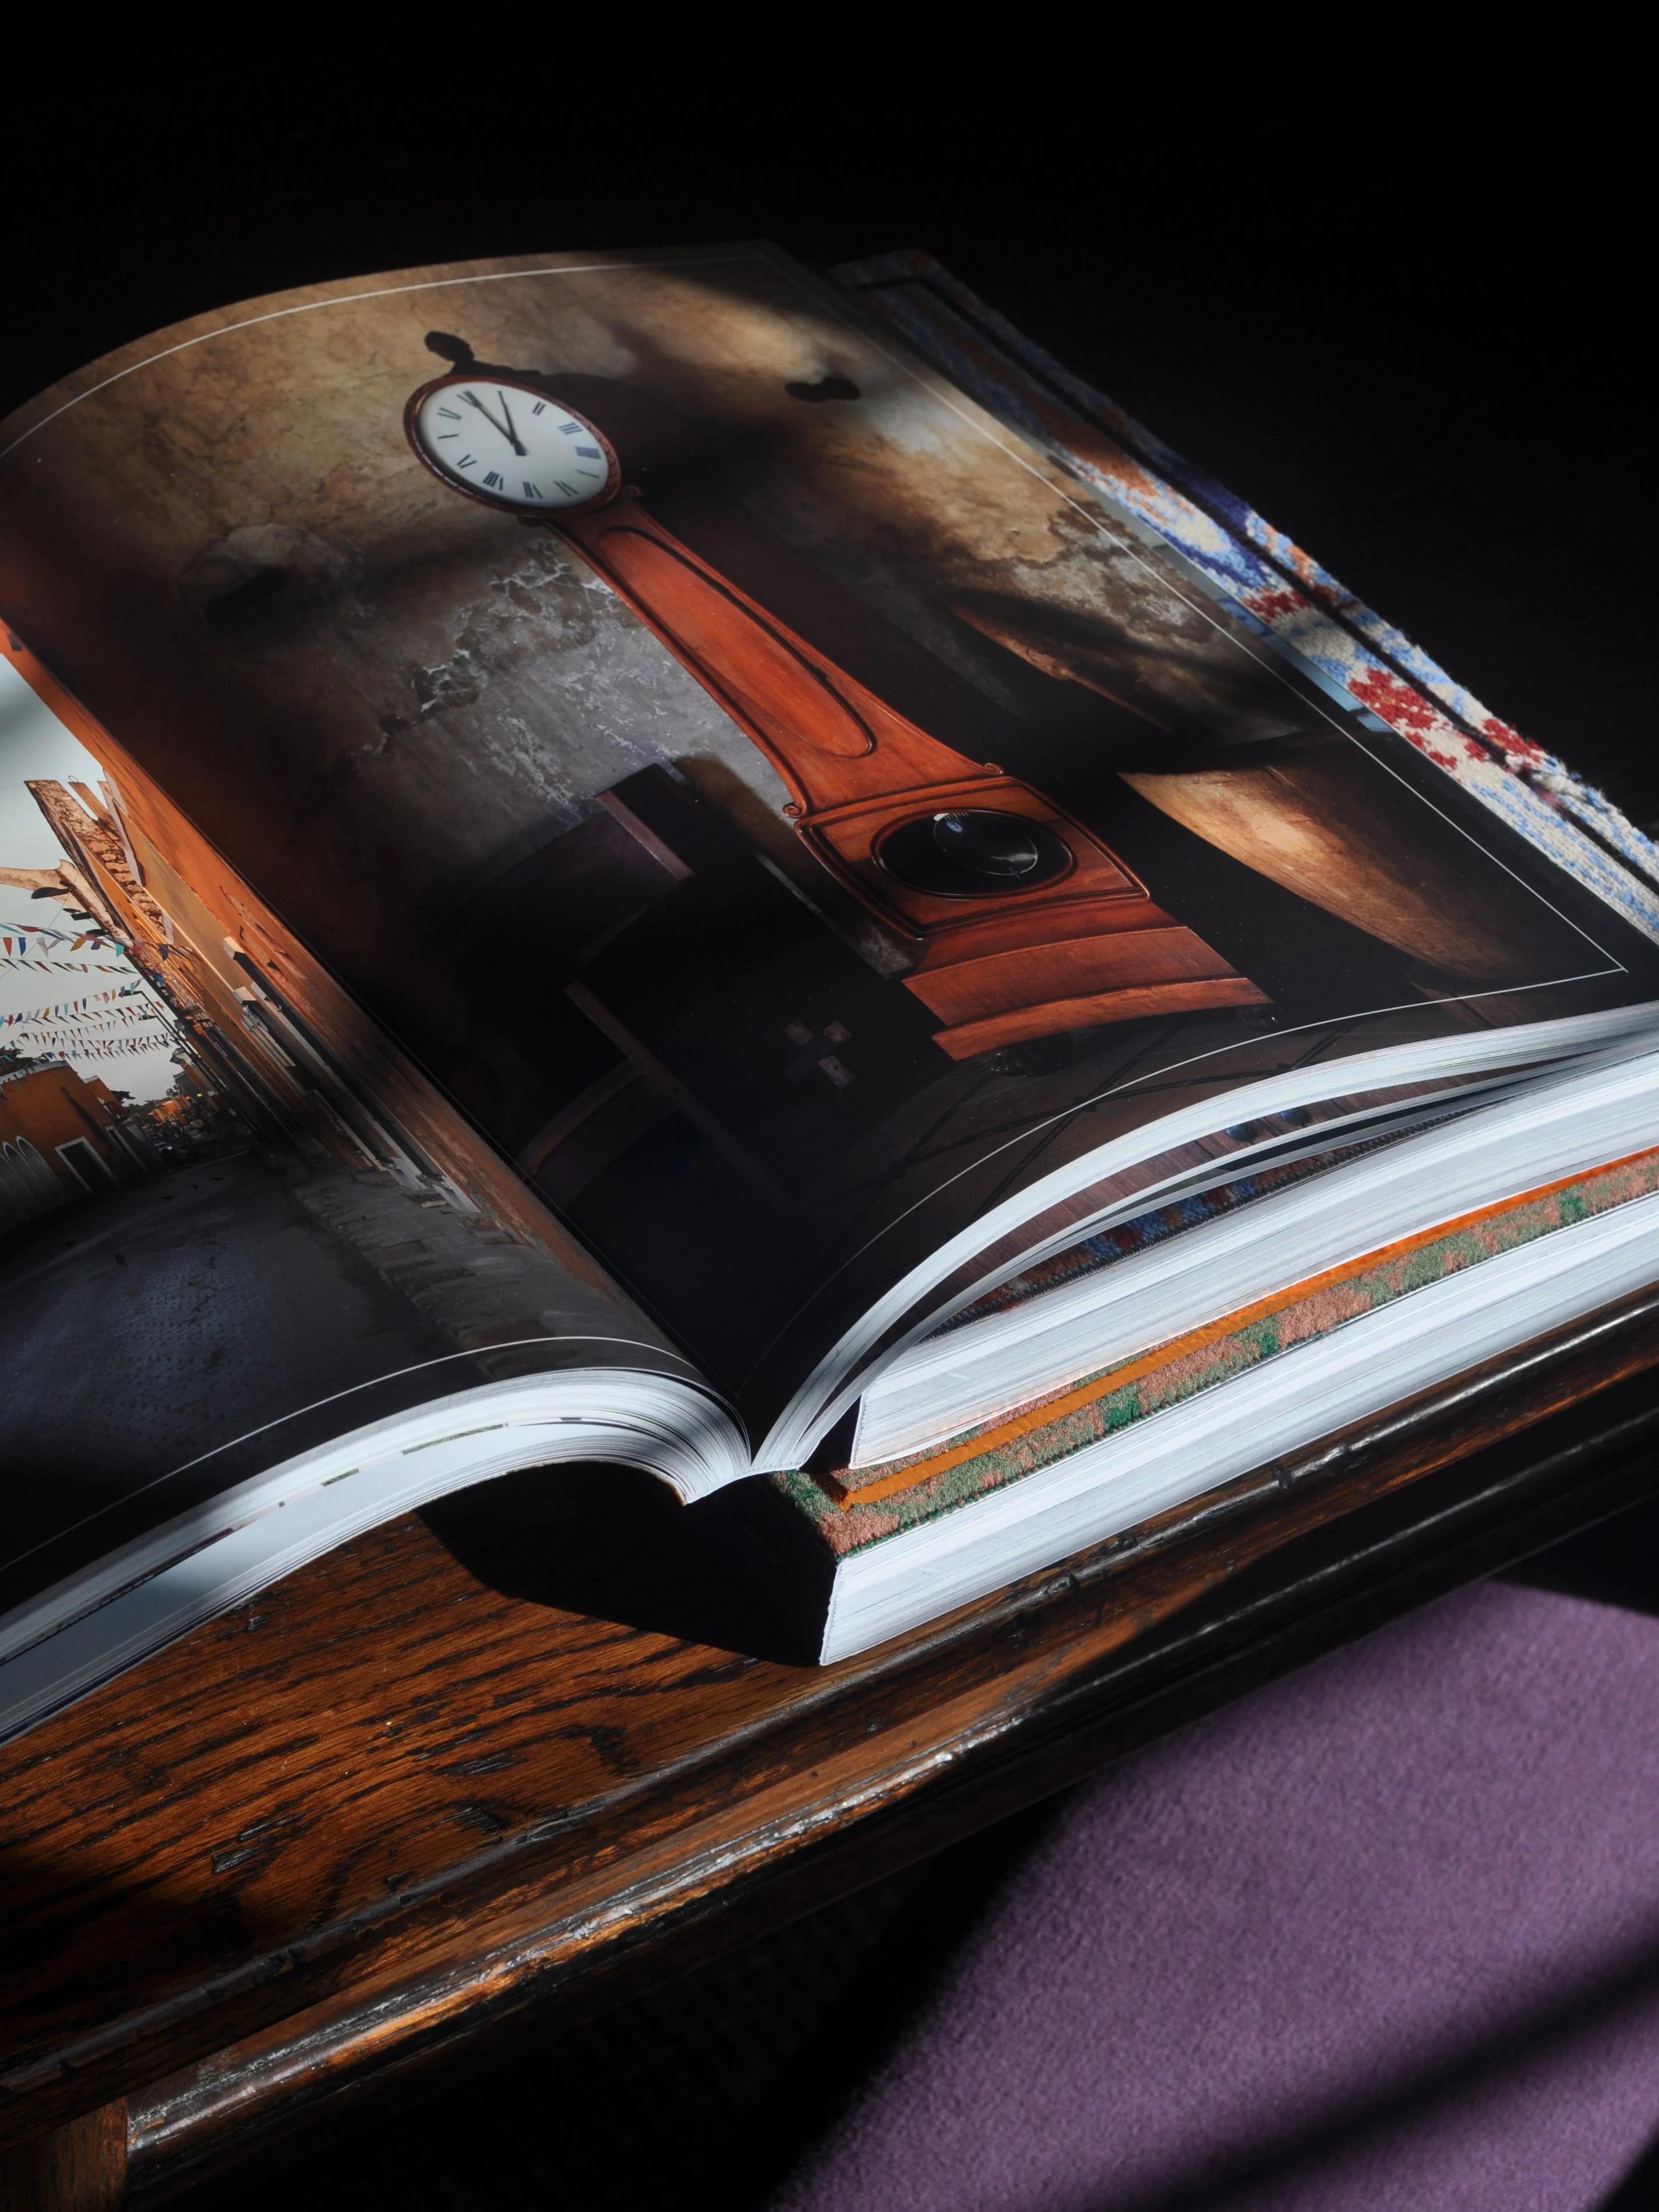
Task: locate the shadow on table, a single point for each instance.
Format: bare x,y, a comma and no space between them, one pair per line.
613,1544
1614,1562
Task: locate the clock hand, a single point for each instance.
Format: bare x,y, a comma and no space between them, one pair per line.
513,434
472,398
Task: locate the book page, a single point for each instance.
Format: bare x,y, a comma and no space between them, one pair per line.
777,813
230,1229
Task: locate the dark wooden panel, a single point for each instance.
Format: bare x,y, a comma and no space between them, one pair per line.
385,1807
79,2167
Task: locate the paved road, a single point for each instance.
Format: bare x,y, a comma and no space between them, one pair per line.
144,1327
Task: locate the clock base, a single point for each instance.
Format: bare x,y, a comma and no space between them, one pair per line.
1106,965
1129,1005
1030,925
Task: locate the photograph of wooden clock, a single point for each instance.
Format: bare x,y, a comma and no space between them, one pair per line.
1029,924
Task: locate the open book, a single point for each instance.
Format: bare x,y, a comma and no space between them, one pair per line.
650,859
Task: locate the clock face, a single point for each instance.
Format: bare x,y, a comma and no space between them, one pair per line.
511,446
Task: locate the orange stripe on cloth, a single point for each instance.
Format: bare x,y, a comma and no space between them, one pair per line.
843,1486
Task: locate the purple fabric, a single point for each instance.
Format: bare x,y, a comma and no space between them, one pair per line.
1383,1934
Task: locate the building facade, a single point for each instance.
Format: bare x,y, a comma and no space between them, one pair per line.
62,1138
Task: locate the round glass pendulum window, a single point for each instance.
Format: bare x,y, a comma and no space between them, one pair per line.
973,853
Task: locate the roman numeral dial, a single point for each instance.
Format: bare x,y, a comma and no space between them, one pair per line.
510,445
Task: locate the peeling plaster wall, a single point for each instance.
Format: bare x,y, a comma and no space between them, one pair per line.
222,543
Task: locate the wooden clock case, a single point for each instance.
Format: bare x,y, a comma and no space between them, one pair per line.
1056,934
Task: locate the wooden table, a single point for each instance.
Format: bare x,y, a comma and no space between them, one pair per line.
369,1820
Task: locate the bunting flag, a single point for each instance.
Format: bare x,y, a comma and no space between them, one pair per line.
38,1040
108,1027
74,967
34,932
70,1007
44,934
109,1048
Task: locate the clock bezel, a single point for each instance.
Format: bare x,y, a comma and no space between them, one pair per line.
613,483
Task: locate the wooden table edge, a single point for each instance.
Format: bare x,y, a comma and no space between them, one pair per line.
496,1942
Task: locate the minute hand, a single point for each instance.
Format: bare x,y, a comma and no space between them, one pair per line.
505,429
518,447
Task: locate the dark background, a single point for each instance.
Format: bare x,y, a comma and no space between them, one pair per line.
1402,309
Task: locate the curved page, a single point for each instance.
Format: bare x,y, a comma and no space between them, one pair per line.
246,1248
649,831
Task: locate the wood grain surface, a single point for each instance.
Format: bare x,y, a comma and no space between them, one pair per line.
400,1798
79,2167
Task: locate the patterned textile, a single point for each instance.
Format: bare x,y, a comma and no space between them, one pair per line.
1382,1935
